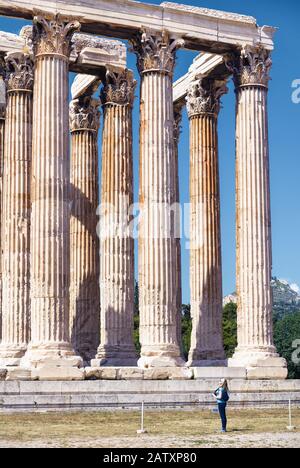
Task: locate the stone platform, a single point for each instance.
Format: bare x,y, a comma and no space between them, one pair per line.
59,372
19,396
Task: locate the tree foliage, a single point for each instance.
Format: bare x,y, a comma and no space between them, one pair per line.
230,328
286,332
186,322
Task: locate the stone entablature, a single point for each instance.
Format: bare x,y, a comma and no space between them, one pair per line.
88,53
203,29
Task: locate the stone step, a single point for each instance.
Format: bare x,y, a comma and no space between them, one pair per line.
101,395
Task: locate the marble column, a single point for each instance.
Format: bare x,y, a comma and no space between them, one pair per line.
157,240
254,251
203,105
2,130
116,239
84,242
15,219
178,108
50,192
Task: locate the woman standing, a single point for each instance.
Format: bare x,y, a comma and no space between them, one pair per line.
222,397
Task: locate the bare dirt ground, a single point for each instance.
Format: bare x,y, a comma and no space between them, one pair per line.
172,429
269,440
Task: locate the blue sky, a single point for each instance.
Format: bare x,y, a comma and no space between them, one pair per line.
284,139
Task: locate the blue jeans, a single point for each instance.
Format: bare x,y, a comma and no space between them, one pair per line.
222,412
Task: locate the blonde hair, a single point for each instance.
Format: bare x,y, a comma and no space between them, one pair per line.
225,385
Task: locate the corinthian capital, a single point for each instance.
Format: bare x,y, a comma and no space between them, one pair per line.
204,96
19,68
156,52
84,114
178,108
251,67
119,88
53,36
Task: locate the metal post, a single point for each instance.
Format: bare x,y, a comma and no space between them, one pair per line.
142,430
290,427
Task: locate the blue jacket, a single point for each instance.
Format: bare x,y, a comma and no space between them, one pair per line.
222,396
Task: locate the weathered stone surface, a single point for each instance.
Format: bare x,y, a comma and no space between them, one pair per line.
116,241
180,374
16,210
156,374
90,54
217,30
84,242
219,373
203,104
50,215
203,65
57,373
157,242
267,373
130,374
251,72
127,394
177,221
3,374
100,373
16,373
72,361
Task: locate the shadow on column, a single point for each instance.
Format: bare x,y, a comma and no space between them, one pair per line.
85,332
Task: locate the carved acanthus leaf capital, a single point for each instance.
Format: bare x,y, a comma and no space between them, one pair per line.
178,108
84,114
20,72
156,52
119,88
204,96
54,35
2,66
27,34
251,67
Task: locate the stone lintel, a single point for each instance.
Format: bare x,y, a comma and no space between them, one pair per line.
202,29
90,54
204,65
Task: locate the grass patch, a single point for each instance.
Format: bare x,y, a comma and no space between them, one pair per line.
83,426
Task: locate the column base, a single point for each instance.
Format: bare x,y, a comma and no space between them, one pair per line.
11,355
162,356
261,363
208,358
51,355
115,356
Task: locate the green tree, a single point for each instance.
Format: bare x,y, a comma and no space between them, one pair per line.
230,328
186,321
136,332
286,332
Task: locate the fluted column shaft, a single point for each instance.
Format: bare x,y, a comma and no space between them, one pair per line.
15,220
116,240
50,192
84,242
177,130
205,235
254,254
2,134
157,242
254,249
